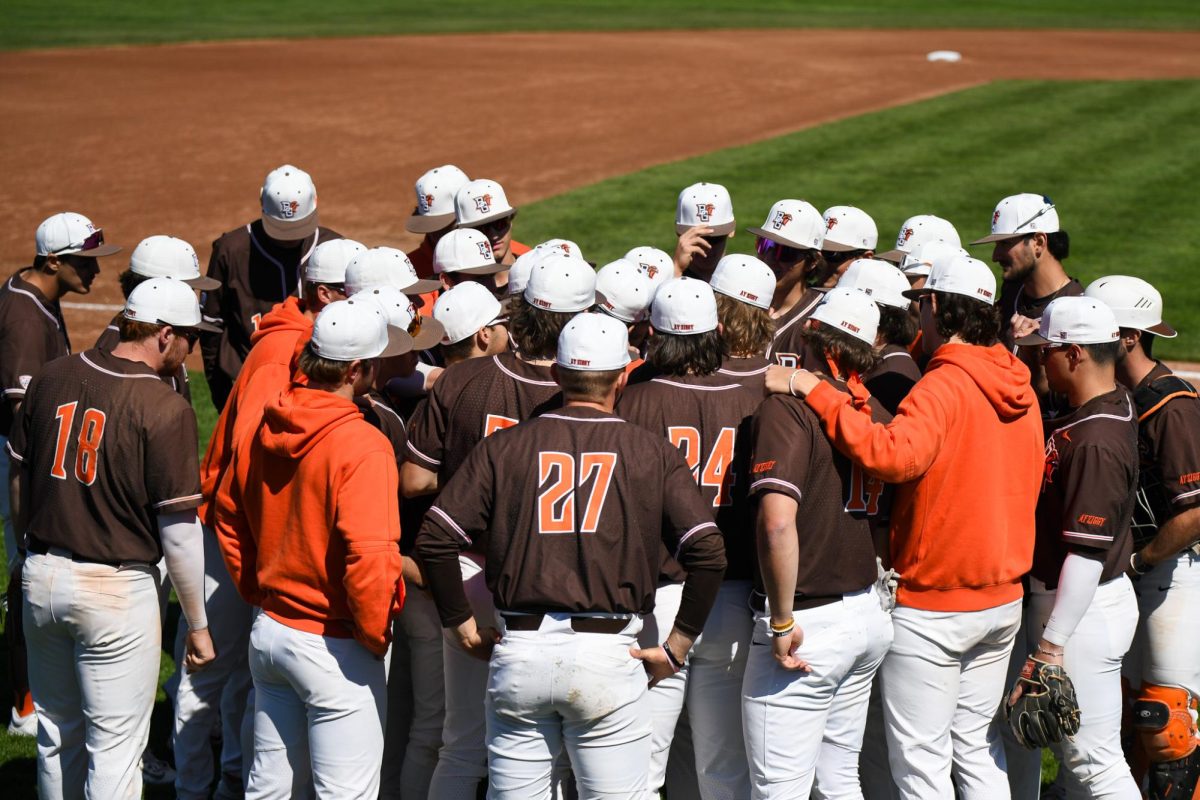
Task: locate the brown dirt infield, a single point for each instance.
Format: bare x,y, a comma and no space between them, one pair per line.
177,139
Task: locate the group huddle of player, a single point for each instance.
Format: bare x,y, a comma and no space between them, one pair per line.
485,517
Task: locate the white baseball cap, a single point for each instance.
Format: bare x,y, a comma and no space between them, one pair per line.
481,201
1021,215
168,257
435,199
289,204
464,309
166,301
353,329
593,343
1075,320
466,251
851,311
793,223
880,280
705,204
684,306
744,278
963,275
68,233
561,283
655,264
520,269
918,230
329,260
921,261
622,291
1135,303
384,266
565,245
401,314
849,228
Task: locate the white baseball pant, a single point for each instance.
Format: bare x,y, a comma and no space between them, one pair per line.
93,633
942,683
804,731
1166,648
665,701
1092,762
555,688
320,704
407,773
206,696
873,768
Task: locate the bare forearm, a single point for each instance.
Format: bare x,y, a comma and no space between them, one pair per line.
1180,531
778,555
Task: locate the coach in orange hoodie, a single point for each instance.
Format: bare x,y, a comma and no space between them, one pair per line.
965,451
309,527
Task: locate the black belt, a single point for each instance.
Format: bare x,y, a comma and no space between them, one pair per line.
758,601
531,622
40,548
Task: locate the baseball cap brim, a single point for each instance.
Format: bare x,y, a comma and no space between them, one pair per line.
724,229
429,335
894,256
290,230
915,294
429,223
1000,237
1033,340
97,252
399,343
838,247
422,286
1164,330
203,283
775,237
486,269
475,223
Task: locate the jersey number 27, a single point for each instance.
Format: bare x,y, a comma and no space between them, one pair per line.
561,480
87,446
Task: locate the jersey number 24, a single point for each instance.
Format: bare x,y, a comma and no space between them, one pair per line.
87,445
714,472
561,479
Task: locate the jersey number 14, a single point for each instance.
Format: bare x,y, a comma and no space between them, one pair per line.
87,445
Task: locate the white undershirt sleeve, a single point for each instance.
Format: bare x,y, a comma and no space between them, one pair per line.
1077,584
183,547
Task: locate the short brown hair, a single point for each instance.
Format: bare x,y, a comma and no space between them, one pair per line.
322,370
687,353
974,320
897,326
130,280
747,329
588,385
132,330
535,331
849,353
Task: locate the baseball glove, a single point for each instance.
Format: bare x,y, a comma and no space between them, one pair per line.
1047,709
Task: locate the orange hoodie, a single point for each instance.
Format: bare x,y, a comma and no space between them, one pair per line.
308,519
966,452
269,368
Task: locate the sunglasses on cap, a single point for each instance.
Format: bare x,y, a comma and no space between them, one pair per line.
782,252
90,243
1044,210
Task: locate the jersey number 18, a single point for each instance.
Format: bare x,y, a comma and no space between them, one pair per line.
87,449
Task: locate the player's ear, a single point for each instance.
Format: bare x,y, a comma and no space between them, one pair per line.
622,380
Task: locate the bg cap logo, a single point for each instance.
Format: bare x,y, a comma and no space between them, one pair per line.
831,223
288,208
426,203
485,249
704,211
483,203
781,218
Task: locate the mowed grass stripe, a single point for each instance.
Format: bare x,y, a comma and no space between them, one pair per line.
1114,156
68,23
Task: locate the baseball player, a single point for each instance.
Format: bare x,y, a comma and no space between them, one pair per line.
704,223
474,323
821,630
1082,612
572,511
433,217
916,232
1163,666
707,416
258,265
271,367
33,333
159,257
471,401
483,205
850,234
969,428
789,242
655,264
896,372
624,292
309,527
466,255
744,287
106,479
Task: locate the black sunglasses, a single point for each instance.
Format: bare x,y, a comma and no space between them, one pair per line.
782,252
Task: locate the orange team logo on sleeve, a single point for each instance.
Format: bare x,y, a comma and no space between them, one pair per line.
1190,477
763,466
1091,519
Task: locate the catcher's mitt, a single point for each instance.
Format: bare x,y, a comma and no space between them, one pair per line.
1047,709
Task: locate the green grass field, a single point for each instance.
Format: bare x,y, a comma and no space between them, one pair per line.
72,23
1124,182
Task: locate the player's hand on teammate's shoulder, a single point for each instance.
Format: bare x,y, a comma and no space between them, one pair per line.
1022,326
789,380
200,651
477,641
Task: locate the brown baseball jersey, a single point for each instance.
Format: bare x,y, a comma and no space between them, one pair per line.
1168,448
893,377
379,412
1089,487
110,337
787,348
749,372
571,510
708,418
106,446
474,399
32,333
835,499
256,273
1013,300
